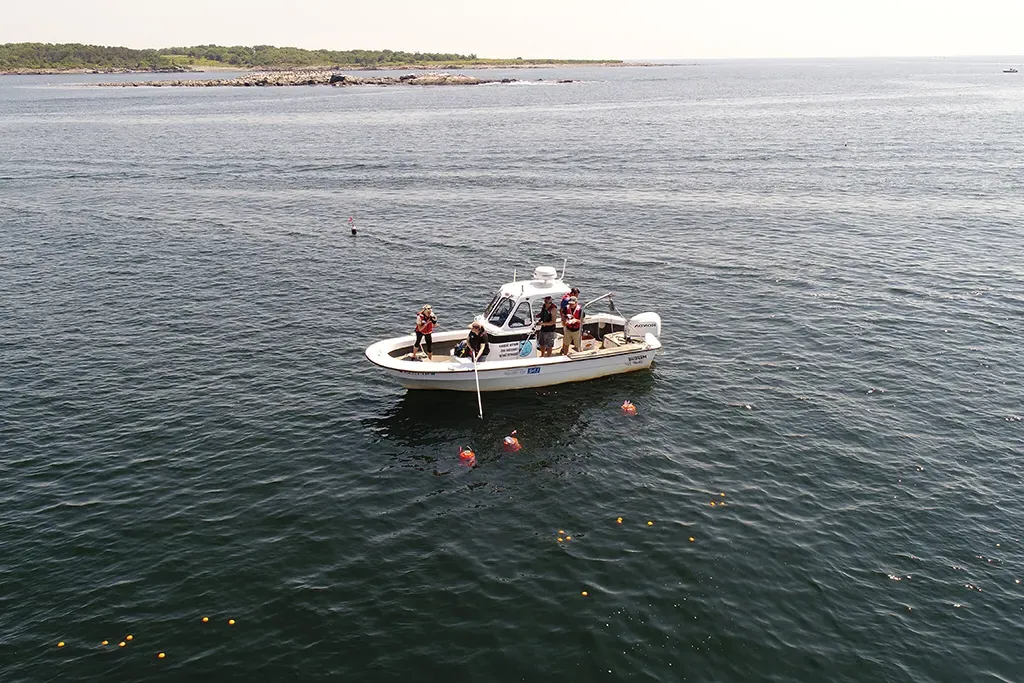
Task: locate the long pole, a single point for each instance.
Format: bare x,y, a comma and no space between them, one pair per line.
479,401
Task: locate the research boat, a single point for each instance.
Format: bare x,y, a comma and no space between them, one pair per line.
612,344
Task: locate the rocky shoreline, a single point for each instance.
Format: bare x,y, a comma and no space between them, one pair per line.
317,77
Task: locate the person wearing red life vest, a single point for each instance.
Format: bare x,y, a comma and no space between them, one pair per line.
574,292
425,321
572,326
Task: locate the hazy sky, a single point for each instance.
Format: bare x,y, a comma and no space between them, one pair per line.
624,29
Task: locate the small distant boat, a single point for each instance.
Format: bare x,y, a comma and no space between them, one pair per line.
1011,70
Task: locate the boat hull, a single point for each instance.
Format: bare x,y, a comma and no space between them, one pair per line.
456,374
525,377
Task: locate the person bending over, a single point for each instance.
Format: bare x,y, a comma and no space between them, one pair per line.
479,347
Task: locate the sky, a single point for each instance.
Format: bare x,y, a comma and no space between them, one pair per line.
584,29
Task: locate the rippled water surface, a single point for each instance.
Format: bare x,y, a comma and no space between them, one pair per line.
188,426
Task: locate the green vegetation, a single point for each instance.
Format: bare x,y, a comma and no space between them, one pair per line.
68,56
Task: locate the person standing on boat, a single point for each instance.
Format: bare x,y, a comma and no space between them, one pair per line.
574,292
546,333
572,326
425,321
478,344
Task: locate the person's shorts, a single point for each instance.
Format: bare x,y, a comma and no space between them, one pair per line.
574,337
546,338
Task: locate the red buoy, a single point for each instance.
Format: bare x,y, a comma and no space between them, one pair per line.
511,443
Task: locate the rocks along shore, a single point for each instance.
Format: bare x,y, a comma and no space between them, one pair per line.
317,77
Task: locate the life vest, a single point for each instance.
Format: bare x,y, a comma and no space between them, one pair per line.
424,324
573,318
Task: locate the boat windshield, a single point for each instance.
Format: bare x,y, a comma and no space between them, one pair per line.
499,311
490,306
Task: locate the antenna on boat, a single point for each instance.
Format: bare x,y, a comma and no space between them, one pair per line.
513,275
562,276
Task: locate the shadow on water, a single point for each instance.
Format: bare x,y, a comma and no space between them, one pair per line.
554,414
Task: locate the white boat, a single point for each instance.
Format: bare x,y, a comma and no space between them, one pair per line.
611,345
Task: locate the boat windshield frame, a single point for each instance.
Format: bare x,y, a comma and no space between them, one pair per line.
494,310
490,306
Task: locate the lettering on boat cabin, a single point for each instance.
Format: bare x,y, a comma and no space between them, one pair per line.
516,349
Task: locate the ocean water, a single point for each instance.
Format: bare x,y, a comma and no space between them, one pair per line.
188,426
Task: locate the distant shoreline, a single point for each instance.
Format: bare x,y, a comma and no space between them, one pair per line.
339,67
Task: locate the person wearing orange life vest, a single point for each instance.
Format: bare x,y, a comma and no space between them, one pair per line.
425,321
572,326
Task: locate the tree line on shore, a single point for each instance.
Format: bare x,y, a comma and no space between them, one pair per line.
28,56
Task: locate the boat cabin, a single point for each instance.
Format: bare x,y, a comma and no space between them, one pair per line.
510,317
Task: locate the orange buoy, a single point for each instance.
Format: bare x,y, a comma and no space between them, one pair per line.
231,622
618,520
104,642
467,457
585,593
511,443
60,644
129,637
161,655
206,619
121,644
628,408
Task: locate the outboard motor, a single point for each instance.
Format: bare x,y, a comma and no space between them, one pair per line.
643,323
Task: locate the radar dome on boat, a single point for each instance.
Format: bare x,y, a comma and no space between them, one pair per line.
544,273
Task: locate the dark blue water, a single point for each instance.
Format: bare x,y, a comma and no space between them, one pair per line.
188,426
